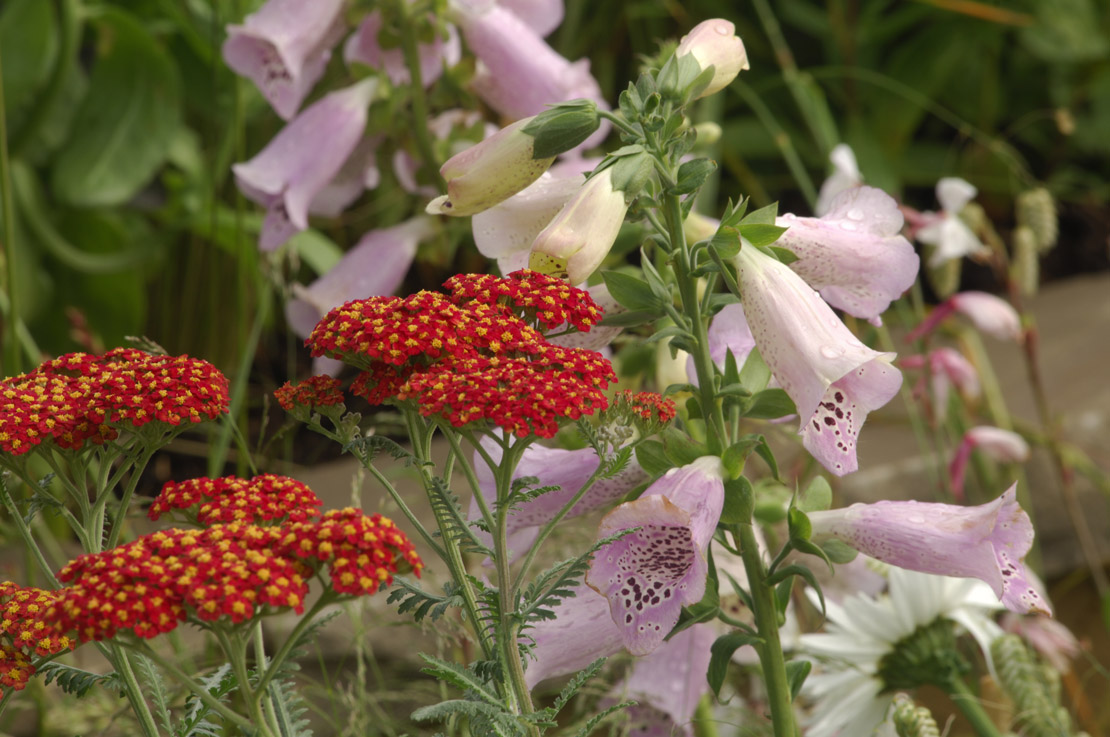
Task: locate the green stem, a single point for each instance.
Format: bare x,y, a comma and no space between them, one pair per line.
968,703
419,100
235,650
125,500
28,538
548,528
7,212
771,658
132,689
198,690
286,648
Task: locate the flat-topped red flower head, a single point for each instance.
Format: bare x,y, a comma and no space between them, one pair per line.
266,497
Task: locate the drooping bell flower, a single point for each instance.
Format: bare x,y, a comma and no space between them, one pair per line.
855,254
668,684
989,314
714,43
650,574
302,159
580,632
846,175
994,442
542,16
505,231
489,172
950,236
947,368
518,73
988,542
580,236
567,469
363,47
284,47
442,127
833,378
358,173
376,266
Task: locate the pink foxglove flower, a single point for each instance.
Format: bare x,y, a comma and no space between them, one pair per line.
363,47
949,235
994,442
947,368
845,176
987,542
580,632
579,237
833,378
505,231
567,469
650,574
714,43
284,47
303,159
489,172
854,255
989,314
668,683
518,73
358,173
542,16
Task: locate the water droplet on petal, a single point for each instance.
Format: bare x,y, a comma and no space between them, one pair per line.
845,225
829,351
855,214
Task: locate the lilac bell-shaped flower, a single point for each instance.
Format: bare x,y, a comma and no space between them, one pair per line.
854,255
987,542
489,172
947,368
995,443
363,47
580,236
650,574
580,632
714,43
303,159
949,235
567,469
989,314
668,684
845,176
833,378
542,16
505,231
284,47
518,73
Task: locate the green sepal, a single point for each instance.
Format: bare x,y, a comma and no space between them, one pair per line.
739,504
721,655
630,174
796,673
726,242
817,497
770,404
755,375
761,234
692,175
562,127
764,215
680,448
838,551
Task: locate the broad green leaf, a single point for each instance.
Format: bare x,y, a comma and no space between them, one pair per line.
126,123
817,497
316,250
796,672
28,51
770,404
652,458
635,294
721,655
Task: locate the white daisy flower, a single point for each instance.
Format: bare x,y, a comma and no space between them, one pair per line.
848,690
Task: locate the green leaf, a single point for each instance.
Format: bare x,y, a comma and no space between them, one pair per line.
459,677
755,375
739,501
764,215
770,404
726,242
680,448
761,234
783,255
796,673
127,121
635,294
721,655
799,524
693,174
75,680
317,250
653,458
29,51
817,497
838,551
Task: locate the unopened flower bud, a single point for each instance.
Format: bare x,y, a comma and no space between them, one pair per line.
1036,209
714,43
1026,269
578,239
490,172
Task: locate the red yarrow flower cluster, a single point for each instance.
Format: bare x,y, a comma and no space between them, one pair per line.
234,571
315,391
263,498
471,355
649,406
24,631
80,397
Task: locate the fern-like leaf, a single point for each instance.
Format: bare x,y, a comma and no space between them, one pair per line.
219,684
420,602
494,719
595,721
446,507
155,688
367,448
289,708
461,678
76,681
558,582
577,682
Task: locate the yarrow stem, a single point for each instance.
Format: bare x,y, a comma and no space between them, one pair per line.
968,703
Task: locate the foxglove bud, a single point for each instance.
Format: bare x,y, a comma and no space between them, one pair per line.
1036,209
578,239
490,172
714,43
